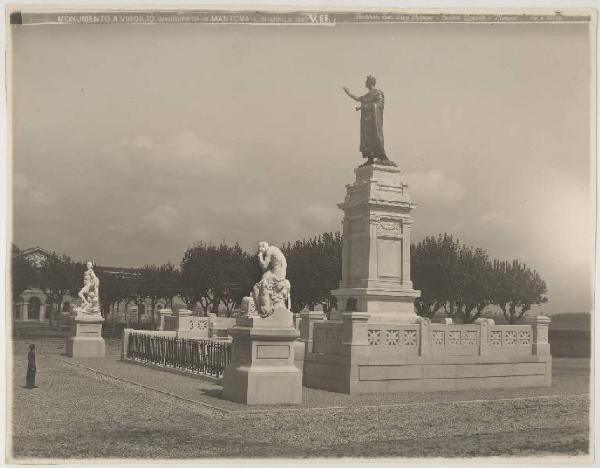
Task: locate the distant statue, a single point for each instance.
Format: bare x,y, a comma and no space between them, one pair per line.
273,288
89,294
371,123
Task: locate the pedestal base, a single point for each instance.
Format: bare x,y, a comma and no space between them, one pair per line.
356,356
262,369
86,338
263,385
383,306
85,347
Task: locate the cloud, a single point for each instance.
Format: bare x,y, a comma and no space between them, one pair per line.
320,214
434,187
141,141
184,155
30,193
162,219
242,205
493,217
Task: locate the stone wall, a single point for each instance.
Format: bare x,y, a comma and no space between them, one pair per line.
355,356
190,326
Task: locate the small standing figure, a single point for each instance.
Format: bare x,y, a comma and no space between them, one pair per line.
371,123
30,380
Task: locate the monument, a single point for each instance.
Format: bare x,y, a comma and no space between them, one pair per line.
85,338
375,343
376,227
262,369
376,249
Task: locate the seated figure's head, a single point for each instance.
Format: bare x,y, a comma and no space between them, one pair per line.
89,264
263,246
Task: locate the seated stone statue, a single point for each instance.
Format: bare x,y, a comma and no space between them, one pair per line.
89,294
273,289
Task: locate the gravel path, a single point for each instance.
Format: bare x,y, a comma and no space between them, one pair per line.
79,413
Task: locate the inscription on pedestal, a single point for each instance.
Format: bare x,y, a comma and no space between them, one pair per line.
89,329
389,258
272,352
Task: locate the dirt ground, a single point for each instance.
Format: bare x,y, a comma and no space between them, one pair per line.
79,411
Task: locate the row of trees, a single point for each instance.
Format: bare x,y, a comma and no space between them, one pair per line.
314,269
58,276
214,276
458,279
220,276
462,281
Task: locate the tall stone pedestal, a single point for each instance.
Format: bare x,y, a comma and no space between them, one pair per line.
262,370
376,250
86,339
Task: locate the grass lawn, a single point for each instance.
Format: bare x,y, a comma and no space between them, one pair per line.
79,413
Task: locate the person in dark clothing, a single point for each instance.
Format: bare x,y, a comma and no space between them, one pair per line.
30,381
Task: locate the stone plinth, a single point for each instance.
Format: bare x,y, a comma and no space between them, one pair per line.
164,313
262,369
357,356
189,326
376,249
86,339
219,326
308,319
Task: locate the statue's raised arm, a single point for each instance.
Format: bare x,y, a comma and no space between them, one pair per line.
347,91
371,123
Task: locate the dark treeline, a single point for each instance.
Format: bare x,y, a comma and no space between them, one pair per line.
462,281
454,278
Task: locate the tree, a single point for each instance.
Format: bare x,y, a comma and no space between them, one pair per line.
23,275
136,292
158,283
516,288
111,291
434,271
473,289
452,276
170,280
314,269
195,276
150,286
243,272
298,273
60,276
215,275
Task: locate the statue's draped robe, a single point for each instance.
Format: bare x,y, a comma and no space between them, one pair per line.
371,125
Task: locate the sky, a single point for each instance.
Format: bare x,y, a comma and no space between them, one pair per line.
132,142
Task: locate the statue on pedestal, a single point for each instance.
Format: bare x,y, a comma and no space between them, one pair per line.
89,294
86,339
273,289
262,369
371,123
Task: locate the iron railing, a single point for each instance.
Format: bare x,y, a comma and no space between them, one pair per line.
199,356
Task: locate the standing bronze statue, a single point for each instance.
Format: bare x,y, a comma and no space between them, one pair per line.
371,123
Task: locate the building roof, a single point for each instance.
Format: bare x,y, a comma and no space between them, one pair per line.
34,253
33,250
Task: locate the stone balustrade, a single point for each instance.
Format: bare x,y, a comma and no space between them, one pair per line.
427,339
